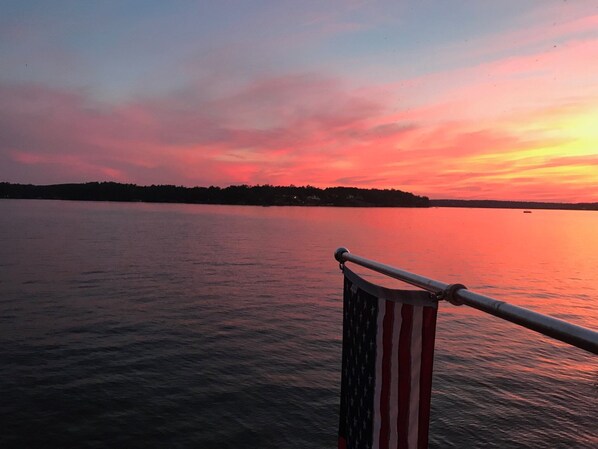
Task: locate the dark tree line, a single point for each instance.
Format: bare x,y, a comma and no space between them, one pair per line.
261,195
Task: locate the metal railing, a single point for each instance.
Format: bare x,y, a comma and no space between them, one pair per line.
572,334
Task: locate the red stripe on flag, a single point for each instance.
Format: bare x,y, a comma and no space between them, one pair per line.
404,375
385,374
428,334
342,443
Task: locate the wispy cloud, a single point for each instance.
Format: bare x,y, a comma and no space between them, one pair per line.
271,123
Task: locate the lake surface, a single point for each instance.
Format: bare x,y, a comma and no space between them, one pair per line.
152,325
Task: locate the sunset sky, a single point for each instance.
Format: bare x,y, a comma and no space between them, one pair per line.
448,99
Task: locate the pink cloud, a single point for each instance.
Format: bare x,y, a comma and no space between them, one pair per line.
284,118
504,88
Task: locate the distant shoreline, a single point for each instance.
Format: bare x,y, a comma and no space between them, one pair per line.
499,204
265,195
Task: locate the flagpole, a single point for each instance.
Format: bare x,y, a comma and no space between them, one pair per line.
572,334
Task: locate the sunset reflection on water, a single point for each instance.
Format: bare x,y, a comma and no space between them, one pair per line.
220,326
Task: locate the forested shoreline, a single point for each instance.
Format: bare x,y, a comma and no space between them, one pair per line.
260,195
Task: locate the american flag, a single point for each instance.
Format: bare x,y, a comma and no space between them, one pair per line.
388,350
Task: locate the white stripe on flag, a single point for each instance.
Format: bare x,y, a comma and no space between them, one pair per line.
378,384
394,379
416,359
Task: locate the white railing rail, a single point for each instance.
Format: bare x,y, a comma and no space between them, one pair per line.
578,336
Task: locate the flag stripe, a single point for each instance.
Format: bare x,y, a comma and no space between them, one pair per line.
378,374
416,351
428,335
385,374
404,374
394,383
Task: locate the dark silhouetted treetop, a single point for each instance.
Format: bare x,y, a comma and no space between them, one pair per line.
260,195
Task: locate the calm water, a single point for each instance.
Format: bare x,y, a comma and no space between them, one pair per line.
137,325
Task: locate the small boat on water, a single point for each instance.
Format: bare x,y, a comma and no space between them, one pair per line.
527,211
